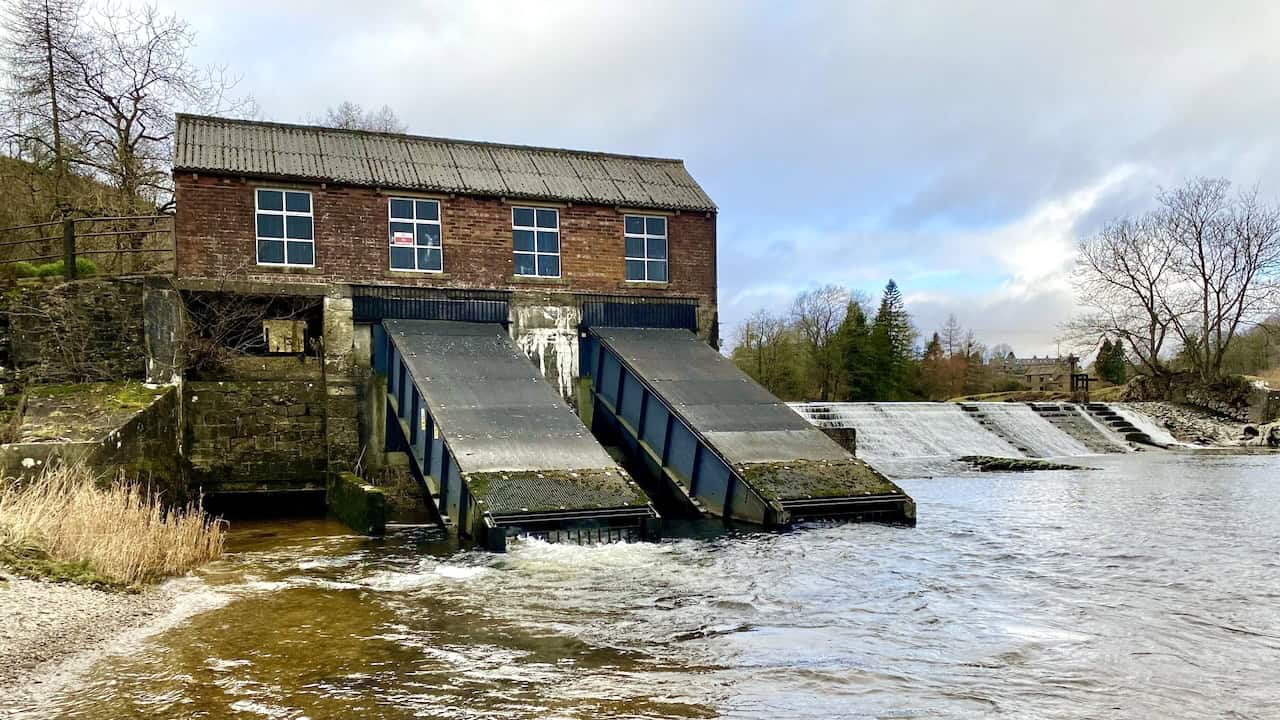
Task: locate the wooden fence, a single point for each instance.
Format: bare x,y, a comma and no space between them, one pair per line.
125,245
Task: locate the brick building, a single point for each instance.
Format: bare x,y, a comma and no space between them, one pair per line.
384,225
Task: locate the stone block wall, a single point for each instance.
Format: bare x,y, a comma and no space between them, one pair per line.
82,331
255,434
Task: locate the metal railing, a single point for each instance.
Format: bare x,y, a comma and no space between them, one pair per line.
117,245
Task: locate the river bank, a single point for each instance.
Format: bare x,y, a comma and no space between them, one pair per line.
49,627
1194,425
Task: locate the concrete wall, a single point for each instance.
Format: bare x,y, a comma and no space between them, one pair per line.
144,447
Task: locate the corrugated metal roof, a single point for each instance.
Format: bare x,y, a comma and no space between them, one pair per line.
354,157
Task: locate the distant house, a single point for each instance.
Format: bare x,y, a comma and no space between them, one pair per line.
1049,374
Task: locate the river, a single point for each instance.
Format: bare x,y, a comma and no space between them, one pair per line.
1149,587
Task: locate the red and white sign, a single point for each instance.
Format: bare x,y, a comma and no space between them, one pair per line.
402,238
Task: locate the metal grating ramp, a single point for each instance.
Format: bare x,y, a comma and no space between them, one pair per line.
720,441
500,451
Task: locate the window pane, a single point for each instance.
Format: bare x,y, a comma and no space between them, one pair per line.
524,264
428,210
402,209
656,225
270,251
402,258
301,253
297,202
523,240
549,265
657,249
428,234
298,228
635,225
547,219
635,269
522,217
658,270
635,247
429,258
548,242
270,226
270,200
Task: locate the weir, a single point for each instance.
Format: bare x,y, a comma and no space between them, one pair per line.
887,431
498,450
708,437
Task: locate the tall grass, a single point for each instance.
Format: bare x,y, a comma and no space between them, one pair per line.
122,532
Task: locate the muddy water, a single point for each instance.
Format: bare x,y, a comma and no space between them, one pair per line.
1148,588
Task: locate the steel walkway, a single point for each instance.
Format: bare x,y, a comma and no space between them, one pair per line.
498,449
708,436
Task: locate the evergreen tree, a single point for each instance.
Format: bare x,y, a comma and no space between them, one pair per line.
1102,363
891,346
855,339
1117,364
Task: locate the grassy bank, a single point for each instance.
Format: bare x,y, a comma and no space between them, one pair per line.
66,526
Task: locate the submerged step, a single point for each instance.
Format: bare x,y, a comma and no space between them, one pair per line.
500,452
718,443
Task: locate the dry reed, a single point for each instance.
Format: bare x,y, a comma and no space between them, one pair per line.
122,531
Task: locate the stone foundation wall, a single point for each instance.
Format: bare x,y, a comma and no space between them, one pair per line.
255,434
82,331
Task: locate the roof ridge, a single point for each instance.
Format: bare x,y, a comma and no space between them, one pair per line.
429,138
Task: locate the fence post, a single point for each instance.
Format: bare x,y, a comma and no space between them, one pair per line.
69,248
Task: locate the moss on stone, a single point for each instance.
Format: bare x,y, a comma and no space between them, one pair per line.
989,463
816,479
34,563
539,490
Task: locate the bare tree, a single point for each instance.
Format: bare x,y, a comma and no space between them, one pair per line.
764,349
41,39
135,73
816,316
1121,275
1197,270
1227,252
348,115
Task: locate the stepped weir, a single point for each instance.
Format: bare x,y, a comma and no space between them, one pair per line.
911,430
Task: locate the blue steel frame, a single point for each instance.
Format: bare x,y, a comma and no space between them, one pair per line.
625,406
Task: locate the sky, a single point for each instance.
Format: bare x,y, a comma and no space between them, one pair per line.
960,148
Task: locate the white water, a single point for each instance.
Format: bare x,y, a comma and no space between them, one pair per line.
895,431
1145,424
1025,428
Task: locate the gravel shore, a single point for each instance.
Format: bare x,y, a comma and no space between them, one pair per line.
45,625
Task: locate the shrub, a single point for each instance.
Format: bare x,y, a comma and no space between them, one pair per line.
65,525
24,269
84,268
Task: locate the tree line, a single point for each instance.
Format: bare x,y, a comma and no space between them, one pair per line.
836,345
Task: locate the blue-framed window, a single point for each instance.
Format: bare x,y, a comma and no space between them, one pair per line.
285,227
646,247
413,231
535,239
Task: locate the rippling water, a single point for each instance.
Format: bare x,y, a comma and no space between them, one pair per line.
1149,588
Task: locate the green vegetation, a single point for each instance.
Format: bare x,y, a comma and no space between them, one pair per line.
123,395
84,268
1112,365
361,507
989,463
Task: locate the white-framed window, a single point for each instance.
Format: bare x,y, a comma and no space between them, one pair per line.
413,231
535,239
285,229
646,247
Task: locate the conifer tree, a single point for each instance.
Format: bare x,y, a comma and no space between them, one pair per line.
891,343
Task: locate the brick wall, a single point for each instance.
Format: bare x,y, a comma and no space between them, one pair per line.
216,238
